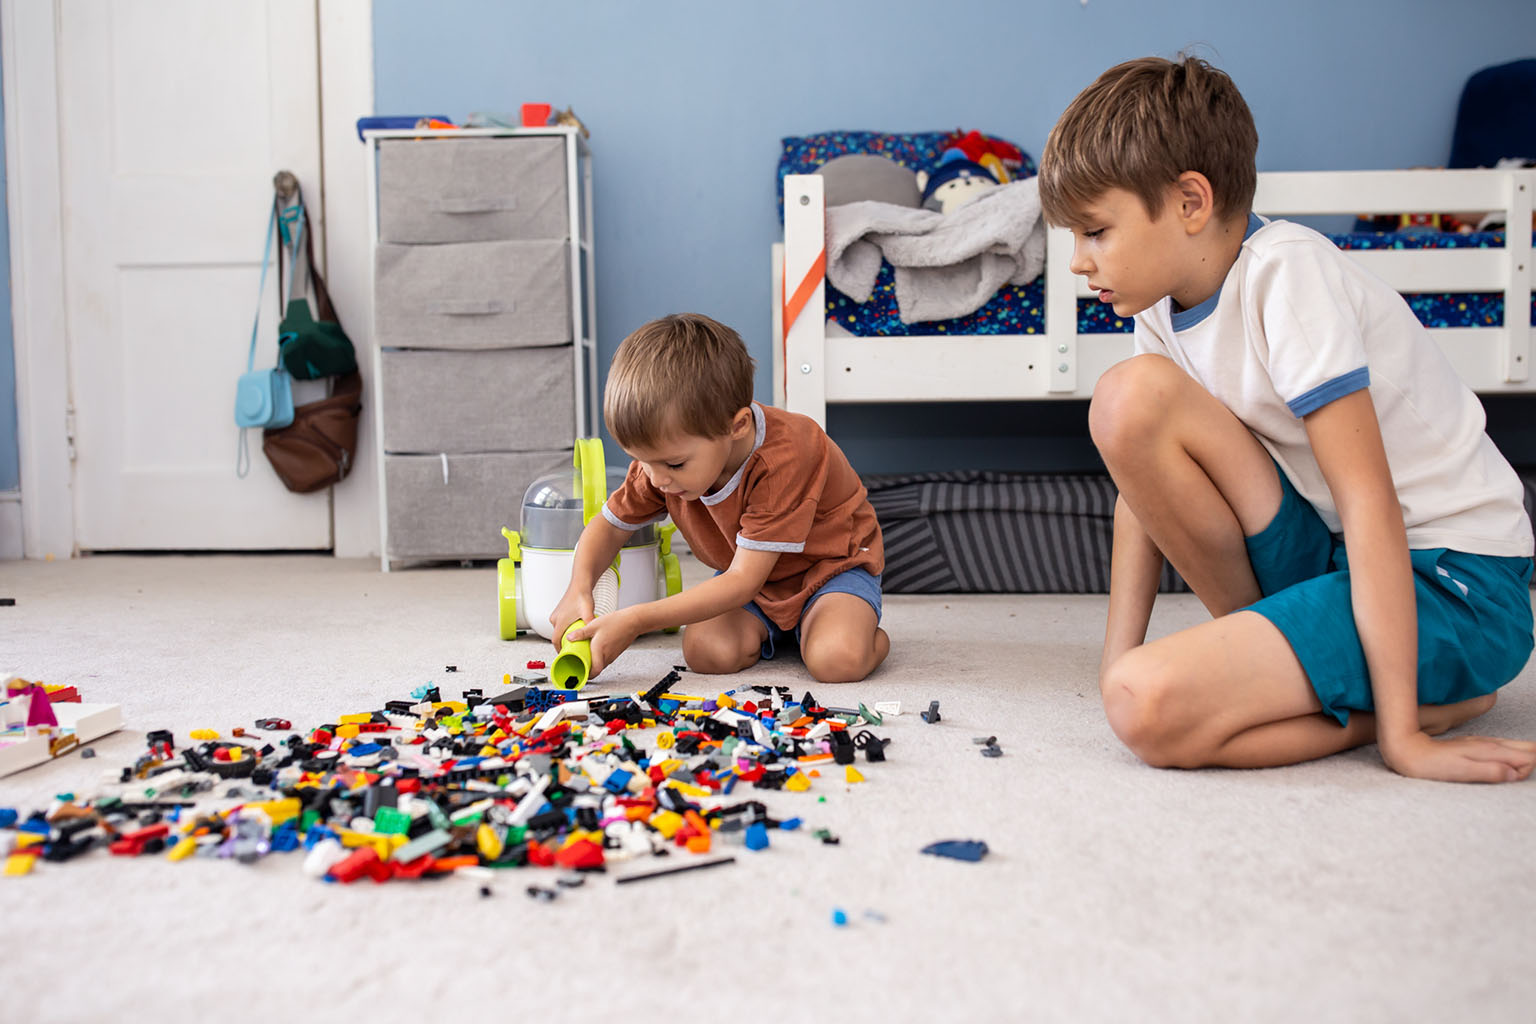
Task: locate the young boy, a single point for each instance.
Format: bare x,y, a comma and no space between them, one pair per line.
1291,439
762,496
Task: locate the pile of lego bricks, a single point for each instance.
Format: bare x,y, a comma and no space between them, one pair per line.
425,787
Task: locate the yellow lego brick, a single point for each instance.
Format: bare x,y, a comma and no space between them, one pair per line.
669,766
667,823
458,707
383,845
204,734
489,842
798,783
852,774
725,701
18,864
184,848
577,835
347,731
690,789
360,718
27,839
278,811
488,751
680,696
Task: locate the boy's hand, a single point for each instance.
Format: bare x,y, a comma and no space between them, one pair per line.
576,604
609,636
1462,758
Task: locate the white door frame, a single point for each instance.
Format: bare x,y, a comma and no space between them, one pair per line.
29,51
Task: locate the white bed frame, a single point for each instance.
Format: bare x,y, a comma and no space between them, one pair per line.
813,367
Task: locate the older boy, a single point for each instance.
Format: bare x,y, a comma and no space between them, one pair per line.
1290,438
762,496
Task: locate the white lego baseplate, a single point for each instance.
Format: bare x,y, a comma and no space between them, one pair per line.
81,723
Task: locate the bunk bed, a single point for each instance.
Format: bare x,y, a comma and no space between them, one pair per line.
1050,340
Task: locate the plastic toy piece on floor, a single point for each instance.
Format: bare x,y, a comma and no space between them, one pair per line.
958,849
932,714
695,866
37,723
852,775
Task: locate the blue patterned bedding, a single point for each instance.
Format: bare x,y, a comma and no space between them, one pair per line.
1020,309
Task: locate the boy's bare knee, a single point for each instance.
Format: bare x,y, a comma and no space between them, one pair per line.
1127,407
715,652
1137,700
838,661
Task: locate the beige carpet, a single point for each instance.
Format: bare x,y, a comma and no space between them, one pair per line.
1333,891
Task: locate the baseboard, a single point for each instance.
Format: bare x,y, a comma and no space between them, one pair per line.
10,525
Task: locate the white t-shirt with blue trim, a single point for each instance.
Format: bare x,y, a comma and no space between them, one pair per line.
1298,324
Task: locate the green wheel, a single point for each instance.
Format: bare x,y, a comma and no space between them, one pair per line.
506,593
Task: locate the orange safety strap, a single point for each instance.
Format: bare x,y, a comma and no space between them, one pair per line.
793,305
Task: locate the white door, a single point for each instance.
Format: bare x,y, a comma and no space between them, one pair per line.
173,117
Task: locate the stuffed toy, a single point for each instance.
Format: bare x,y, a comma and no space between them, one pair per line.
1002,158
860,177
955,181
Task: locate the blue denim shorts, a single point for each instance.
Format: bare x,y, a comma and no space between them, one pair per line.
1474,612
858,582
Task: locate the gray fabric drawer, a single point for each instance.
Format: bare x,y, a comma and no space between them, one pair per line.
472,295
472,190
516,399
462,518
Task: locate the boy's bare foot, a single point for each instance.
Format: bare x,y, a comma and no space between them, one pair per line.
1435,719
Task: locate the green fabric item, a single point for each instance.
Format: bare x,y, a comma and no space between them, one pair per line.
309,349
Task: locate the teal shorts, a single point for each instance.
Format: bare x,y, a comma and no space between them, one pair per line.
1474,612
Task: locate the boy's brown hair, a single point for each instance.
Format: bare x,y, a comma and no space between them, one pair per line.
684,373
1141,125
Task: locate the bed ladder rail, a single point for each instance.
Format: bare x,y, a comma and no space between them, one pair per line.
802,297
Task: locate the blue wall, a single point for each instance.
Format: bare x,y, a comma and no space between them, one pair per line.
10,458
687,100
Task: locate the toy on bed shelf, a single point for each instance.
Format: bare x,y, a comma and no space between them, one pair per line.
555,509
955,181
39,722
1001,157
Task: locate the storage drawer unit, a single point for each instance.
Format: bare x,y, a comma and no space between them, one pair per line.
517,399
472,190
472,295
483,323
454,506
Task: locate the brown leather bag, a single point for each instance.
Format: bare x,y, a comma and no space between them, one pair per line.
316,450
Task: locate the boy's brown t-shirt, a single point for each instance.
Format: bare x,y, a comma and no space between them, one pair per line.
795,494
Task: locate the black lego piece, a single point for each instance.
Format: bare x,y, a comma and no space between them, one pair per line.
932,714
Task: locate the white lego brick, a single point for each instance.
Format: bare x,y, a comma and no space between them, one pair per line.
89,721
21,752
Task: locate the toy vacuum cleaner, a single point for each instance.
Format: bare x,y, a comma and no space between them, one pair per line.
555,509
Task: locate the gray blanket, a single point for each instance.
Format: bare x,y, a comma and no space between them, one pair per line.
947,264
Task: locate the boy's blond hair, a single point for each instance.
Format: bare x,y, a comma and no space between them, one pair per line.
1141,125
684,373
